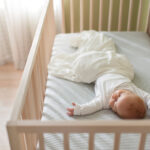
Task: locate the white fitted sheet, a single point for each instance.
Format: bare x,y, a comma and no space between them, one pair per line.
60,93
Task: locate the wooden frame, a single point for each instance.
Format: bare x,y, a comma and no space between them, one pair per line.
25,128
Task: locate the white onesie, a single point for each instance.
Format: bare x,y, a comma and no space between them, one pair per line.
105,85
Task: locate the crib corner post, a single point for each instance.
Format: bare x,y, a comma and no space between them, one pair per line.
13,136
148,25
63,28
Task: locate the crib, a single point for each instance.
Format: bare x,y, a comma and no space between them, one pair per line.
25,129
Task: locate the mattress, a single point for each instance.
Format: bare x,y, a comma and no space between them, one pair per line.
61,93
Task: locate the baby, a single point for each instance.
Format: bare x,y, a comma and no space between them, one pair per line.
117,92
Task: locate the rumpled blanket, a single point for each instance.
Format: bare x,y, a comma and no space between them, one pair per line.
95,55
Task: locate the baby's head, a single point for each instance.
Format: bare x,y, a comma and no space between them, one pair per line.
127,104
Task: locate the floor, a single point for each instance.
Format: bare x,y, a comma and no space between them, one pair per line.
9,81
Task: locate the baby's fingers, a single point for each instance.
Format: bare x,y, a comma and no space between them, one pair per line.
74,104
70,111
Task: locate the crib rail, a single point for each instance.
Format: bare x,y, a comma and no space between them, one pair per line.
133,20
91,127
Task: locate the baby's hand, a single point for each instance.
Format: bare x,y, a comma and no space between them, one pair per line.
71,110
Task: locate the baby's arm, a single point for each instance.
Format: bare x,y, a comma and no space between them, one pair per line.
87,108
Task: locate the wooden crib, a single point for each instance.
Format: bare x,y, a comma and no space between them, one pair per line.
25,129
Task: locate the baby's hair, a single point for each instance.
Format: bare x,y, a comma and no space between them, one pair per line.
137,110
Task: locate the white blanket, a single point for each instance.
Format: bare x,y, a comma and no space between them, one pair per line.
95,55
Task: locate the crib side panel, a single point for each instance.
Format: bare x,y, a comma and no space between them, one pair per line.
37,81
35,72
30,95
117,127
110,15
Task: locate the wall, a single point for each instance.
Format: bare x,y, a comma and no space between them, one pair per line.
105,14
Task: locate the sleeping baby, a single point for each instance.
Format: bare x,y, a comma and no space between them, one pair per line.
113,81
118,93
95,59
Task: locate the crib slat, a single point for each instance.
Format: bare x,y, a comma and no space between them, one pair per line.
22,139
37,79
147,20
130,15
31,102
42,66
30,141
117,141
81,15
142,141
139,15
41,141
91,141
22,142
14,138
29,111
37,83
91,14
100,14
66,141
72,15
120,15
51,33
63,17
110,14
42,75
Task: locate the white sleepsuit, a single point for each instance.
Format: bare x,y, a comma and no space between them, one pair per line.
105,85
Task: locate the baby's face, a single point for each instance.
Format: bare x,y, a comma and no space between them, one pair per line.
121,100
